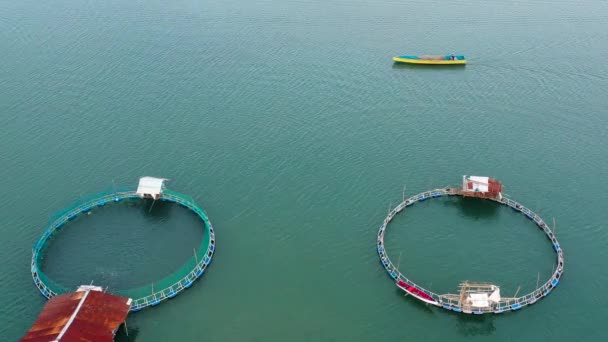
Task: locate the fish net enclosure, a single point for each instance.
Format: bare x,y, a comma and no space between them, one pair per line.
154,291
474,298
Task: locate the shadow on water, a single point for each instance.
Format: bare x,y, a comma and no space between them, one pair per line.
156,210
474,207
406,66
131,334
413,302
475,325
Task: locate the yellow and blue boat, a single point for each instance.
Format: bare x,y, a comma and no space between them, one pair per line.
433,60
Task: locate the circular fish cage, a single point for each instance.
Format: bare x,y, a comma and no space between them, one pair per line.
149,295
474,298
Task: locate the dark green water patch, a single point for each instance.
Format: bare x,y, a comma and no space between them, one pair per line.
123,245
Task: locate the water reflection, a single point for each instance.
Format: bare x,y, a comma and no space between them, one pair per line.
420,306
402,66
156,210
474,207
129,336
475,325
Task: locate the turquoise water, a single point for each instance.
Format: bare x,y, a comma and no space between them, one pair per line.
290,125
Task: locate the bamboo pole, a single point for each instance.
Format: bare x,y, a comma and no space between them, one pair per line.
153,201
398,261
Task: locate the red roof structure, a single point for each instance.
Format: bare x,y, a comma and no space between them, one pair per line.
89,315
484,187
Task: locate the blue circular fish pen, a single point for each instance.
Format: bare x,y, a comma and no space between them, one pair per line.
473,298
149,295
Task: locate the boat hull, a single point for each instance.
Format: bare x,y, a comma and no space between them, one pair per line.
415,60
417,293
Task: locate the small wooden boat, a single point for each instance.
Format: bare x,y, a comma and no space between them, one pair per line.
436,60
416,293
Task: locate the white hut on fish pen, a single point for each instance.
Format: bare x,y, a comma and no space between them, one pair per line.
484,187
151,187
478,296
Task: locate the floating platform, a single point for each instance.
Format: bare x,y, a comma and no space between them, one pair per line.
474,298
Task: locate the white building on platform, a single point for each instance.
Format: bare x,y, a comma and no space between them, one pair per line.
151,187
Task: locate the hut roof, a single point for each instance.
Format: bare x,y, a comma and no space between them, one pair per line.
481,185
477,183
479,300
150,186
80,316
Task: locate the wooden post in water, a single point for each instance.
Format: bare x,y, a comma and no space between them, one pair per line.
399,261
554,228
126,330
153,201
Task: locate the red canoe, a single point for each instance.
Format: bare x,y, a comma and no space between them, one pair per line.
416,293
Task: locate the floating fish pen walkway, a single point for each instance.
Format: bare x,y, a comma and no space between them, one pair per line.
145,296
454,302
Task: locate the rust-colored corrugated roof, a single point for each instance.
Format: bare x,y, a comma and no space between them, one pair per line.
494,186
90,316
